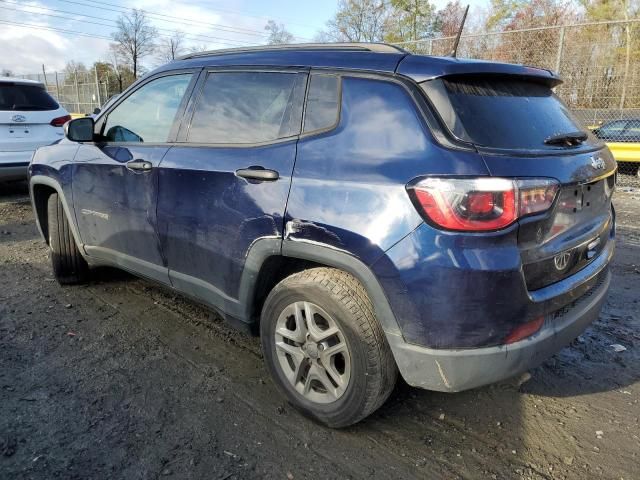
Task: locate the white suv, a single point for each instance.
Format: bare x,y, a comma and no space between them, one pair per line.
29,118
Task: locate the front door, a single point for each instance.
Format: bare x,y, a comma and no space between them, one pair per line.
225,184
115,180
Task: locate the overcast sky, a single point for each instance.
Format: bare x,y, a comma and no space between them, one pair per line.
214,23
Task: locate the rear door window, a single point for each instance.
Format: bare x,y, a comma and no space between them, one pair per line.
500,112
248,107
25,98
323,103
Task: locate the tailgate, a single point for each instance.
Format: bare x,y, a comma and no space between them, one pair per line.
578,226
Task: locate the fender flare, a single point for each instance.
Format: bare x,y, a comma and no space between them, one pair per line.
264,248
50,182
332,257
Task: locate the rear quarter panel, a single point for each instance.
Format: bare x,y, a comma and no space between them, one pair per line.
348,188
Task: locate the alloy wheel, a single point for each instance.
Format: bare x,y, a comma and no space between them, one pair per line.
312,352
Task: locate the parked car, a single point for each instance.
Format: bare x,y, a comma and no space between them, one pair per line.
366,210
29,118
623,139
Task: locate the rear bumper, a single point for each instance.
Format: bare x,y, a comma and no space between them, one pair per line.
456,370
13,165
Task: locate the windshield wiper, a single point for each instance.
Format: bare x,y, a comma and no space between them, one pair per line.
568,139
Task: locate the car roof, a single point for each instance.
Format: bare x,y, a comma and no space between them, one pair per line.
374,57
20,81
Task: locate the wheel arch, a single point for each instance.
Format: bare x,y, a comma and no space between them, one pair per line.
270,262
41,188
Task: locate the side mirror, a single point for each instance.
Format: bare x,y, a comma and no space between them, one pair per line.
79,129
96,111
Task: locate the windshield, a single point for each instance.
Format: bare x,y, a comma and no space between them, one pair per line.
504,113
25,98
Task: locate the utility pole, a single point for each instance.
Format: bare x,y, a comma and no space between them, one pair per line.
75,77
95,71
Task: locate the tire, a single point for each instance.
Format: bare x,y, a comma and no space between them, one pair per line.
361,375
69,267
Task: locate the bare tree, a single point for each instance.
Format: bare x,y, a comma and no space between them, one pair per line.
74,71
171,47
122,72
448,20
358,21
409,20
134,38
6,73
202,47
278,34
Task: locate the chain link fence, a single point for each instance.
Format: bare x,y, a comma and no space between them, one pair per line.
599,63
78,91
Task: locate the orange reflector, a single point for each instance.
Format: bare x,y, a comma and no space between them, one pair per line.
525,330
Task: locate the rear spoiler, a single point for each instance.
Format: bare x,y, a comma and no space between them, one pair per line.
421,68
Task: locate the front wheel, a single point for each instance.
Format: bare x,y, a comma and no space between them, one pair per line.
69,266
324,347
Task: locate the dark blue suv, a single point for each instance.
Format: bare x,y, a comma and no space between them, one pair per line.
366,210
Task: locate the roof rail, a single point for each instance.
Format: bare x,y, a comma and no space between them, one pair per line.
353,46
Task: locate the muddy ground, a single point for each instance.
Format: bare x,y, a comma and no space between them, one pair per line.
123,379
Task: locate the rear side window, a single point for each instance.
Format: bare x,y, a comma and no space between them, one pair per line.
25,98
248,107
322,103
499,112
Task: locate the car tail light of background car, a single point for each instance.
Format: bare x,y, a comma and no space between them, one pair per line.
481,204
60,121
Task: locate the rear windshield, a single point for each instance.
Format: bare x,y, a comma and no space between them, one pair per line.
499,112
25,98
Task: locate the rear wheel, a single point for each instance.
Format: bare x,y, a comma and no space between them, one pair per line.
324,347
69,266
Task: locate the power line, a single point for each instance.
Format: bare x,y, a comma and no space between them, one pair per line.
53,29
218,9
112,24
167,18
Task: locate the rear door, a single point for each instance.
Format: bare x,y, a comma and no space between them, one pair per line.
224,186
522,129
29,117
115,180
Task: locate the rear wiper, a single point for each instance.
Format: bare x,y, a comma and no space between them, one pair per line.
569,139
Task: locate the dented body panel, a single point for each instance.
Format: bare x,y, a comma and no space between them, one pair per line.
208,218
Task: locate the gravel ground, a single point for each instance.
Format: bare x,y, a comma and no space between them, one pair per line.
124,379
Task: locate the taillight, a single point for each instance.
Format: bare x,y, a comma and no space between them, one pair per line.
481,204
60,121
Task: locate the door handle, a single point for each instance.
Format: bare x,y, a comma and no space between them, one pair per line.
139,165
258,173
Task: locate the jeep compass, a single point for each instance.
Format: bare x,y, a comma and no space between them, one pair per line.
367,211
